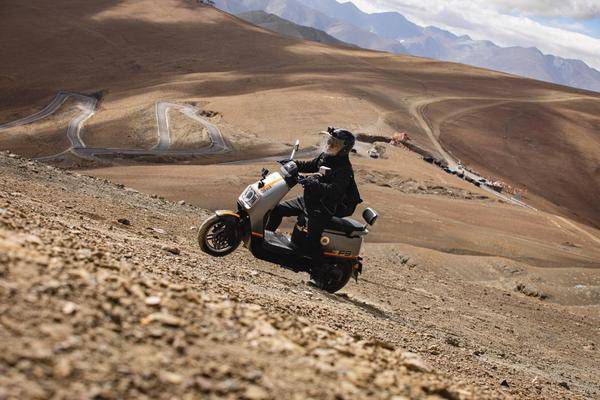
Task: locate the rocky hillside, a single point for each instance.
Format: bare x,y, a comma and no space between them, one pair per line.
104,295
273,23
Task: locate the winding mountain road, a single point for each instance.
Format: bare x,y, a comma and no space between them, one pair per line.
419,111
432,129
87,105
217,145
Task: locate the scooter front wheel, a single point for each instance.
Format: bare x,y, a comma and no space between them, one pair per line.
219,235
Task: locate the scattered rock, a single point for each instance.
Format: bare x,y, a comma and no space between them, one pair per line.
590,346
163,318
63,368
159,230
69,308
124,221
504,383
564,385
171,249
414,363
32,239
171,378
530,291
254,392
152,300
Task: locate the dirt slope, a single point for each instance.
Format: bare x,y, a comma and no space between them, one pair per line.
101,308
94,306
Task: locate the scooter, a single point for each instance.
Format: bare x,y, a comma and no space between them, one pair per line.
341,241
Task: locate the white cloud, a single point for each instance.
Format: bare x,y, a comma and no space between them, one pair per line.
505,22
580,9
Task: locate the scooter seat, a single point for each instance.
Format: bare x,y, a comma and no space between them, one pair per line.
346,225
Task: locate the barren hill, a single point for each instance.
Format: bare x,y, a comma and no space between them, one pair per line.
182,101
273,23
268,90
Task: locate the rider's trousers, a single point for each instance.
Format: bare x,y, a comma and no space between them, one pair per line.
317,220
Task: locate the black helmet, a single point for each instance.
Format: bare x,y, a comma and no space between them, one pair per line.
339,141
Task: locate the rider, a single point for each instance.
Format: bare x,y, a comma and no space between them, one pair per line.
325,195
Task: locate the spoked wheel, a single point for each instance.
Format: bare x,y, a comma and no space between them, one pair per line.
332,277
219,236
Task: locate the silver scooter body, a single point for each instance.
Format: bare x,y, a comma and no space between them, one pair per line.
261,197
341,241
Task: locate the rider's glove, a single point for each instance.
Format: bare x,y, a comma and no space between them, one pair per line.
311,181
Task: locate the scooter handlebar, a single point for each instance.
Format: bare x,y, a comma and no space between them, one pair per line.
302,180
305,180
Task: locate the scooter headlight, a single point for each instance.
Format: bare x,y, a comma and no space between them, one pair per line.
249,197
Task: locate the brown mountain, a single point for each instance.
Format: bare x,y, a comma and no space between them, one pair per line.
452,272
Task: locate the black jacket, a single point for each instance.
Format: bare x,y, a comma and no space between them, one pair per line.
334,191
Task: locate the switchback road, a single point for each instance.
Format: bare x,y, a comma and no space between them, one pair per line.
87,106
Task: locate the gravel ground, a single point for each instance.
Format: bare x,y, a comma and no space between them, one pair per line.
105,295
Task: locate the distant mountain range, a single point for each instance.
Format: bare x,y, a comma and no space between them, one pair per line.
391,31
274,23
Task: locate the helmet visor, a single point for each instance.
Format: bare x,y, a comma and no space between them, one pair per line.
332,145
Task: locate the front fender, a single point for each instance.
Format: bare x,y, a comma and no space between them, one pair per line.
222,213
243,222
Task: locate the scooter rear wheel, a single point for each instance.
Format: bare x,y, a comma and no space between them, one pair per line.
332,277
219,235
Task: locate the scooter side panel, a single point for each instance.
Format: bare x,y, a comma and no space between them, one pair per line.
341,244
274,189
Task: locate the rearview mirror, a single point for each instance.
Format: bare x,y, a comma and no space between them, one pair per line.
370,216
295,149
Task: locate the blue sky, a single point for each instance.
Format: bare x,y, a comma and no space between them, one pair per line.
589,27
565,28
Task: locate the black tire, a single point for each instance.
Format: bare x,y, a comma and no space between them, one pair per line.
219,235
332,277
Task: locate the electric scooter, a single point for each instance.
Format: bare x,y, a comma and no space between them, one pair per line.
341,240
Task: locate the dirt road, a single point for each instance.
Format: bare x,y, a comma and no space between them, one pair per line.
431,126
87,107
